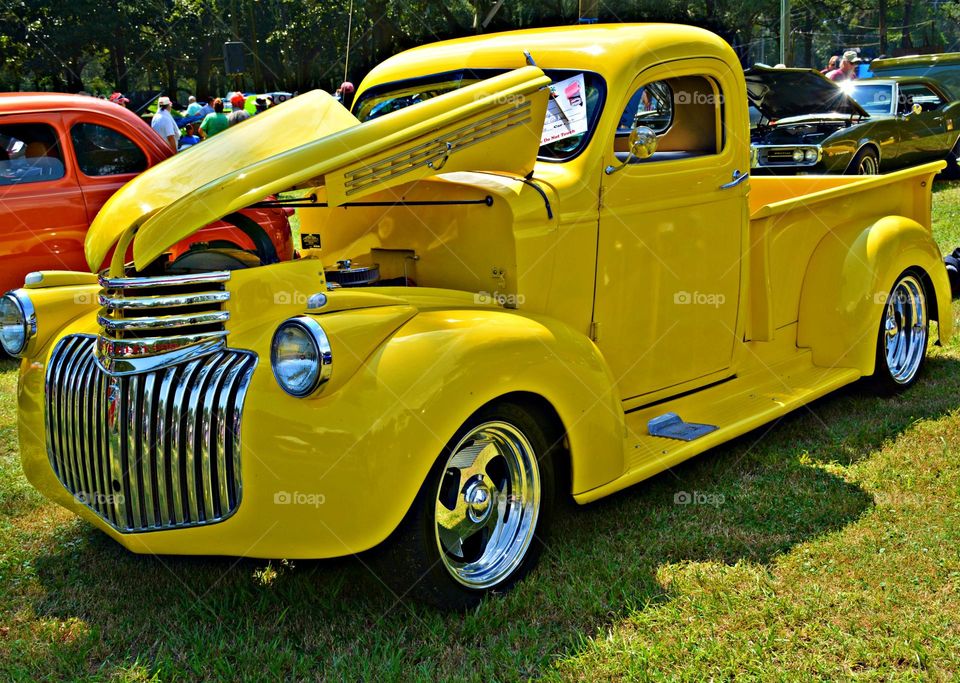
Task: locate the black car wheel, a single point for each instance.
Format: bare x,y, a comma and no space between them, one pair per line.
865,163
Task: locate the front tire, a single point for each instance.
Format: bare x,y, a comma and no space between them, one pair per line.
479,522
903,335
865,163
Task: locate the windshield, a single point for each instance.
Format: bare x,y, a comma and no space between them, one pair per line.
389,97
874,98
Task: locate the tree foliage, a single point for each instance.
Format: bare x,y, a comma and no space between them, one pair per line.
176,46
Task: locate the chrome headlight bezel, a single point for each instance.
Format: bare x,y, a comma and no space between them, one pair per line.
26,319
323,363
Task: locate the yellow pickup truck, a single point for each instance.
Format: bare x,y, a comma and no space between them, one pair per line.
534,266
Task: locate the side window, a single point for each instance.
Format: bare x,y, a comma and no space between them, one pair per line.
104,151
29,153
916,93
685,112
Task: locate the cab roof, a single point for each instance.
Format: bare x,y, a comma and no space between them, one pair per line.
615,51
50,101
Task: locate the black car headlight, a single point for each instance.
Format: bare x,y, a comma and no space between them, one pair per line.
18,322
300,355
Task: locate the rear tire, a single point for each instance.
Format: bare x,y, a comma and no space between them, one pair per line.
865,163
903,335
479,522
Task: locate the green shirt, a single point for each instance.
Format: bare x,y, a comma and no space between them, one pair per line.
214,123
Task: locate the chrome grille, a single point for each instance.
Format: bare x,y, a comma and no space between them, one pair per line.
780,155
154,450
147,322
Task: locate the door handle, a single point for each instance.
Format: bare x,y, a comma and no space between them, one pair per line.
738,178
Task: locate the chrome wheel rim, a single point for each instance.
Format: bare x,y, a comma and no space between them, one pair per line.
487,505
868,165
905,329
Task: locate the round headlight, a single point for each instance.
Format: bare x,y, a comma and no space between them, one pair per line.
811,155
18,322
798,155
300,355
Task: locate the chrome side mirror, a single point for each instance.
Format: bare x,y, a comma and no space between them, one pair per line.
643,145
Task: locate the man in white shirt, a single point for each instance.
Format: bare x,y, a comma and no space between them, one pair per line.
164,124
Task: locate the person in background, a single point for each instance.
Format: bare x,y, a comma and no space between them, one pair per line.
214,123
345,94
260,104
193,107
831,65
237,116
237,101
189,137
118,98
847,70
164,124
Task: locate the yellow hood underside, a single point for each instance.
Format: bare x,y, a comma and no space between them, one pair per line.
493,125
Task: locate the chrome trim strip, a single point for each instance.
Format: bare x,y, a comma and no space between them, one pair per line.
147,462
166,301
164,476
122,367
162,322
164,280
131,466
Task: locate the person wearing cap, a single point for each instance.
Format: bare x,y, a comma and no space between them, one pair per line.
118,98
237,100
847,70
193,107
345,94
164,124
214,123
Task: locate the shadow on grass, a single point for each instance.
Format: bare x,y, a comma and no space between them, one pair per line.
749,500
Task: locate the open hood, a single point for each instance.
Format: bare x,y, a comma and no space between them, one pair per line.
779,93
493,125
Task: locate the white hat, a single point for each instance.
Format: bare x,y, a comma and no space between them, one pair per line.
164,101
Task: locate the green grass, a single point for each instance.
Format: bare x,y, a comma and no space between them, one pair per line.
832,550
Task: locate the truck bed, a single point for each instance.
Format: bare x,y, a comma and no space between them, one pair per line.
782,236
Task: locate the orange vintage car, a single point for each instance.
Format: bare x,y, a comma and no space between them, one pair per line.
63,156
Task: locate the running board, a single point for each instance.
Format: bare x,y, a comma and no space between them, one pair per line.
735,407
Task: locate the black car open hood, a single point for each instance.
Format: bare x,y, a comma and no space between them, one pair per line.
779,93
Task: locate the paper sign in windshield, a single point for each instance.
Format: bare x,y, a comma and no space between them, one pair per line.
566,110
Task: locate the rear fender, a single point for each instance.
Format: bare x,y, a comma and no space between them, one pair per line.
847,284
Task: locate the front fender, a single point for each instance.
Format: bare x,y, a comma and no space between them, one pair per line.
847,283
365,443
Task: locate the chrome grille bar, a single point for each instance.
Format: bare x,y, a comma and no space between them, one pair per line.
149,451
151,322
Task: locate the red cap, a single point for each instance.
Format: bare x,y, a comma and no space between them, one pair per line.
119,98
238,100
346,86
